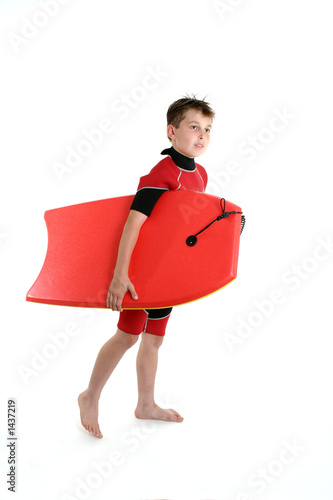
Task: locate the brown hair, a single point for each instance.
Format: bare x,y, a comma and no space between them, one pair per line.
178,109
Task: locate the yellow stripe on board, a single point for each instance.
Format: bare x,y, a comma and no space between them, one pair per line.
182,304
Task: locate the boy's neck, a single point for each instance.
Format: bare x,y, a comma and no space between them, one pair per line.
180,160
191,157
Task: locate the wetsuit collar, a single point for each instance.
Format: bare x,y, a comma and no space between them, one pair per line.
180,160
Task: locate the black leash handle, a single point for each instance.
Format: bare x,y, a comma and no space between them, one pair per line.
192,240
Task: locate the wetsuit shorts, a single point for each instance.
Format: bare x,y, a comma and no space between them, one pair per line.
136,321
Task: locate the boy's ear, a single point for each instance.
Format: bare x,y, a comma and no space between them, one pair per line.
170,131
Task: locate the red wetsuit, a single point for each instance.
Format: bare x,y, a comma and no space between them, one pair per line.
174,172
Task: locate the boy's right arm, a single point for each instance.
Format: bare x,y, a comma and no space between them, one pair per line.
121,283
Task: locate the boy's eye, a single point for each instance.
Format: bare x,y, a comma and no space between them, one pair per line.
208,130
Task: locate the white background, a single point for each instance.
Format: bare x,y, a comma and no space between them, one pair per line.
242,403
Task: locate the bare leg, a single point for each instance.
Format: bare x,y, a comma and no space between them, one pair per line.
146,366
107,359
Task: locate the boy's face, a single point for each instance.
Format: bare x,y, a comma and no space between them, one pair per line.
192,136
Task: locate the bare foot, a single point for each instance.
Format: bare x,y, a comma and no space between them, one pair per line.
89,414
157,413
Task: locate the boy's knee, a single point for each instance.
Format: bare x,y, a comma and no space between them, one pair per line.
128,338
152,340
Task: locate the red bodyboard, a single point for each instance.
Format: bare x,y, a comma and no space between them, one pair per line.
83,244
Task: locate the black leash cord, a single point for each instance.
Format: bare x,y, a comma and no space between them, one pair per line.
191,240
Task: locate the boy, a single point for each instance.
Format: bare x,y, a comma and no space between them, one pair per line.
189,122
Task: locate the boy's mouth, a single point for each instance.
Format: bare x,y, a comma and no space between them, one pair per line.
199,145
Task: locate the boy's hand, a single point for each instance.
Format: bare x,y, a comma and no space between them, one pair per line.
119,286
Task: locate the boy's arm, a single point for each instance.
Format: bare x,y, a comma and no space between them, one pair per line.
121,283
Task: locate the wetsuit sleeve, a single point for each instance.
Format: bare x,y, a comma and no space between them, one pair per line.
151,187
203,175
145,200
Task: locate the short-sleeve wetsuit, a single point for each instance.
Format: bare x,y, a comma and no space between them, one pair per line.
175,172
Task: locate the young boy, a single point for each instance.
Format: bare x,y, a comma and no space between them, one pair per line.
189,123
